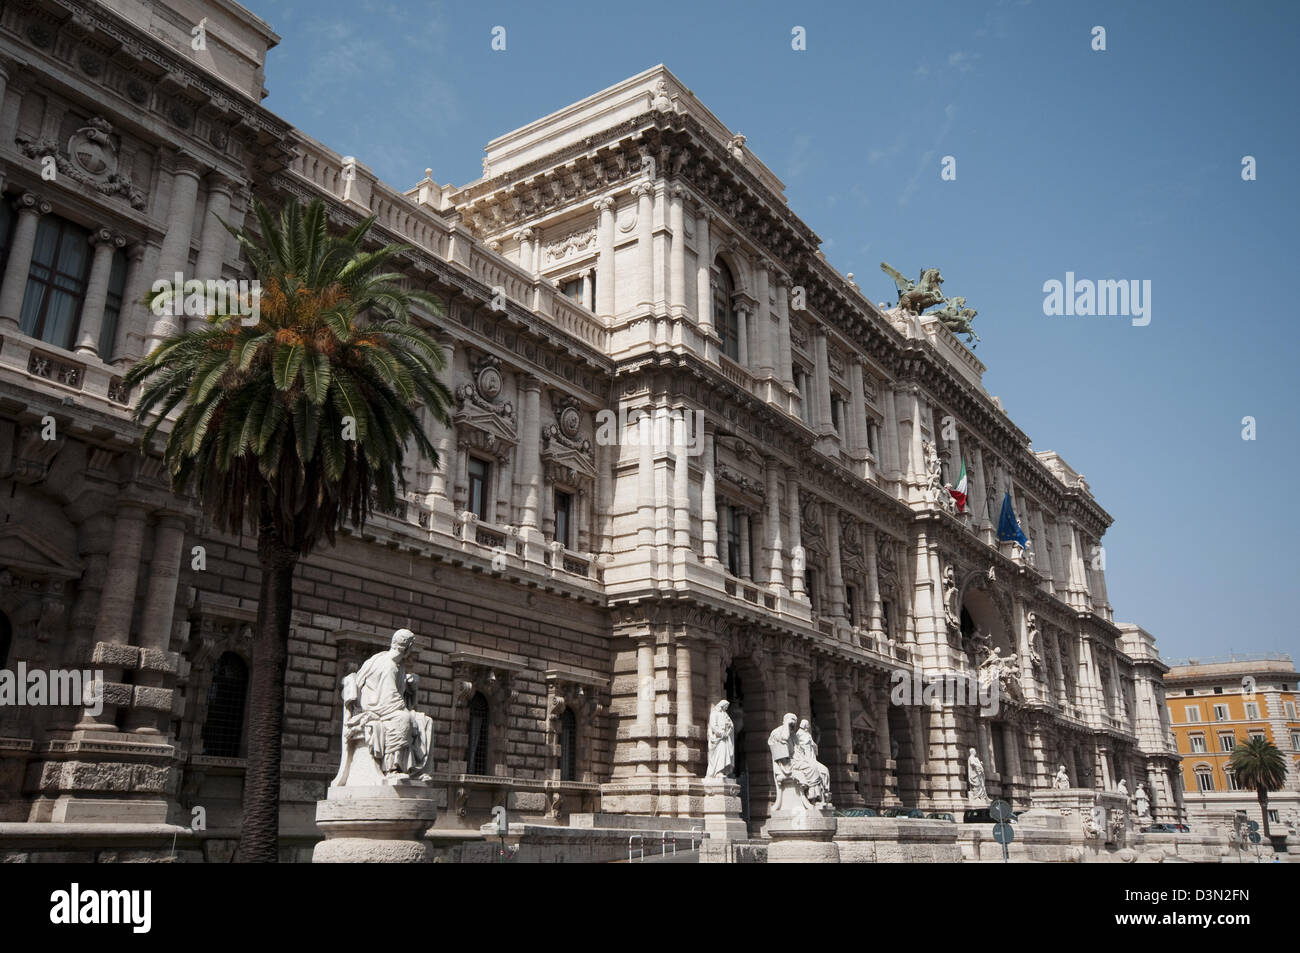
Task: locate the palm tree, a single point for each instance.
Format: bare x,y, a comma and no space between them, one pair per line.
293,427
1259,765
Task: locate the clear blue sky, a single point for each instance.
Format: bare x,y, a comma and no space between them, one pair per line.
1117,164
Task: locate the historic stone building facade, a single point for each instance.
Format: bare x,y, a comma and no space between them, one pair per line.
688,460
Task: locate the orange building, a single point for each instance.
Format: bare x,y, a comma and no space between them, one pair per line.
1214,705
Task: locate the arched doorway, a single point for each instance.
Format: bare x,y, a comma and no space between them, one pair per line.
904,748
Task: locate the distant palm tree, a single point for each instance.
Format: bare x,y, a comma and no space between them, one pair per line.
293,427
1258,764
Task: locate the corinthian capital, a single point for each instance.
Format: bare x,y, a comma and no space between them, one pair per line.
603,205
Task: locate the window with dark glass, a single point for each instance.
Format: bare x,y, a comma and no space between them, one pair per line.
6,230
810,581
6,639
563,518
223,725
56,283
886,617
725,319
850,596
476,753
836,413
568,747
479,471
113,305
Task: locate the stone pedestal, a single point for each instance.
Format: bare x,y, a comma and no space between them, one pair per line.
801,834
721,809
381,823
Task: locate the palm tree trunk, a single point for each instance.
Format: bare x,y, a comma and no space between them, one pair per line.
1263,810
260,830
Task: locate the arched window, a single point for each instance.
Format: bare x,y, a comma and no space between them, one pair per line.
223,725
725,319
476,752
568,747
6,640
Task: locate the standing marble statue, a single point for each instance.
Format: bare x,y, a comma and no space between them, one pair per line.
722,742
379,706
1143,802
808,771
1062,780
977,792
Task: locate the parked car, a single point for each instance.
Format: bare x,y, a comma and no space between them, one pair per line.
945,816
861,812
977,815
903,812
1166,829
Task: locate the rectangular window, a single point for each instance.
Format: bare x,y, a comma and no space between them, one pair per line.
850,596
56,283
886,614
572,289
810,581
1252,710
837,413
1257,736
1227,742
1192,714
1220,712
1205,781
1295,741
1231,782
1198,743
801,385
563,518
479,472
872,438
1290,710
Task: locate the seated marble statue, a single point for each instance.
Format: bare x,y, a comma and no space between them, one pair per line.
379,711
808,771
780,743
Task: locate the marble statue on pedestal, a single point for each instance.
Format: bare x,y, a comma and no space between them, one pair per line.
977,792
1143,802
379,711
722,742
1123,789
811,773
1062,780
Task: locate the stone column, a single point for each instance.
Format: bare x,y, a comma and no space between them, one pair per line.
677,254
703,272
890,440
156,625
834,570
92,310
797,564
821,384
213,235
605,257
175,254
685,689
916,464
644,193
763,318
645,681
525,239
530,473
446,441
587,301
775,562
746,570
856,431
30,207
786,368
742,336
117,601
135,319
709,503
873,580
978,502
681,487
645,484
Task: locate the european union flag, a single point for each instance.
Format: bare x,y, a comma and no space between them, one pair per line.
1008,527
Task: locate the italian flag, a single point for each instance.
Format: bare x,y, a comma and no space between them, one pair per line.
959,491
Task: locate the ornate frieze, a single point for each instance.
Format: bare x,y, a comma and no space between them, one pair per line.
91,158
